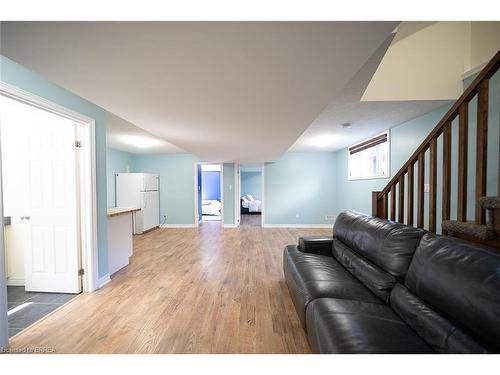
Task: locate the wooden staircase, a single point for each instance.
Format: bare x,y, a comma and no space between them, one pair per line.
398,201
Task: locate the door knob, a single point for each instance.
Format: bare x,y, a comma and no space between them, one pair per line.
25,217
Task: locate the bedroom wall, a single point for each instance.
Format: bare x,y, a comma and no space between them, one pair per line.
210,185
17,75
300,189
176,173
116,162
251,183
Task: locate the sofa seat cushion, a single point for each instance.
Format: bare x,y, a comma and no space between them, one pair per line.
310,276
345,326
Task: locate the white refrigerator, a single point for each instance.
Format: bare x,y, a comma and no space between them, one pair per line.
140,190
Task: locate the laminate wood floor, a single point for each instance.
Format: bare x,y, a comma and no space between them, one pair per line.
254,220
203,290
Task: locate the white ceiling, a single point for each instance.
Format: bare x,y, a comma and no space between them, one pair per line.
224,91
366,118
122,135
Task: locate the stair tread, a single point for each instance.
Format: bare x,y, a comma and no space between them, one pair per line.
481,231
489,202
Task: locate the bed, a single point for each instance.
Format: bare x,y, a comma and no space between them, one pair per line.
210,207
249,205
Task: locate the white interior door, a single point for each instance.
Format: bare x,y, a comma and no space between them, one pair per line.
46,151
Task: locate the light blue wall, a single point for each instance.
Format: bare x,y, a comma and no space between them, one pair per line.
228,191
405,138
251,183
176,184
493,141
18,76
404,141
302,183
116,162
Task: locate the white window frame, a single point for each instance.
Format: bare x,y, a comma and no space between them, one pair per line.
349,178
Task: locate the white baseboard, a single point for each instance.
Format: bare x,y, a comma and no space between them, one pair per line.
15,281
297,225
178,226
103,280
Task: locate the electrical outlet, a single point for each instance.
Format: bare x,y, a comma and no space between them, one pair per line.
329,217
164,217
427,188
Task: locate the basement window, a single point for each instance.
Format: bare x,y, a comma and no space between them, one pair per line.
370,158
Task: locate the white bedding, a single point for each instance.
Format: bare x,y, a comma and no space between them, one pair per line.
255,206
210,207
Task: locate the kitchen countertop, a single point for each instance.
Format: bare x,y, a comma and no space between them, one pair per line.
121,210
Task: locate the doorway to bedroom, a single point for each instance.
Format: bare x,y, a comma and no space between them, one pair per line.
251,195
209,192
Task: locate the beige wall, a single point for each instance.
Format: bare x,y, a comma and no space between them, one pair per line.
485,42
424,65
426,60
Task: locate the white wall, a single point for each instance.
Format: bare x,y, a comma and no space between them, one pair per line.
15,194
4,335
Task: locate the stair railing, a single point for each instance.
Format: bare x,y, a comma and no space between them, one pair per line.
384,203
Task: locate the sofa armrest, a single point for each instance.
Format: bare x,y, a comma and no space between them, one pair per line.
316,244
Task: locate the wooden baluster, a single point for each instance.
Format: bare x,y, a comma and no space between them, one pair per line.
411,181
401,199
432,184
446,172
481,148
463,129
393,202
376,204
420,191
384,206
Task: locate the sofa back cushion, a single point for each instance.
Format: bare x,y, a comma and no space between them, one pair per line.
461,281
386,244
438,332
374,278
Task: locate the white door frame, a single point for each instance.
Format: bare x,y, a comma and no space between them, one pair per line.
86,180
261,193
4,326
196,212
237,195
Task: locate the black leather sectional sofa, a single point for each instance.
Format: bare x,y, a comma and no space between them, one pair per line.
381,287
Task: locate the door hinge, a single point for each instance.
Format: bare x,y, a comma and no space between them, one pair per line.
78,144
81,272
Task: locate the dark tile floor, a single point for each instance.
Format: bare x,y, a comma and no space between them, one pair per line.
37,306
